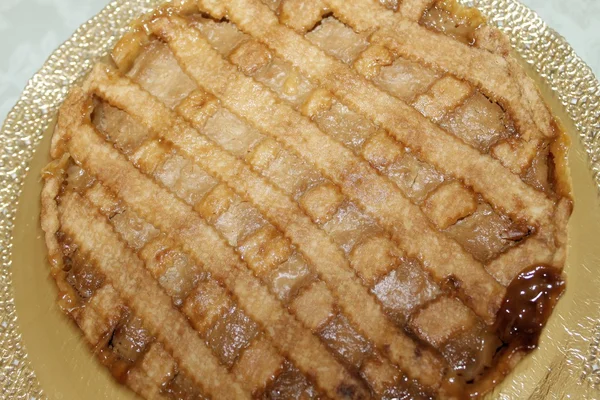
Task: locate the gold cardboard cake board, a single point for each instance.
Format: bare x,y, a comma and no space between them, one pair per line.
567,362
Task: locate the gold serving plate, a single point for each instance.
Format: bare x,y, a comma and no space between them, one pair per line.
42,353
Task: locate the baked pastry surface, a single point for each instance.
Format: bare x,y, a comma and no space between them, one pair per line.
306,199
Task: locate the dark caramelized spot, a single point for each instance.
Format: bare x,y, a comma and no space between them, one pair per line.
79,273
181,388
290,384
418,352
486,234
130,339
343,340
471,353
83,278
346,391
451,284
123,347
118,367
67,246
530,299
230,335
552,172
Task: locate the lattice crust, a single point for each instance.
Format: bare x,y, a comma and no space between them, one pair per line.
302,199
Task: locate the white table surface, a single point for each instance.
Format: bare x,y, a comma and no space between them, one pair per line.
31,29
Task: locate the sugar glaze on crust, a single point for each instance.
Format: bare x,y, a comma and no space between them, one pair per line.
307,199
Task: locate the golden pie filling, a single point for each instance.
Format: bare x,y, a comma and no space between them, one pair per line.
297,199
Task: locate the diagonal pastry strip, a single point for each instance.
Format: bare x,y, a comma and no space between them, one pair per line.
97,323
94,320
103,200
377,195
149,377
435,103
327,259
116,90
518,155
159,207
445,95
202,168
140,382
504,190
126,273
258,349
500,78
508,265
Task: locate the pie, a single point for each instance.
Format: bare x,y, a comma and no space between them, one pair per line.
297,199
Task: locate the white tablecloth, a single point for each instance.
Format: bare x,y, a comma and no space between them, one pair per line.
32,29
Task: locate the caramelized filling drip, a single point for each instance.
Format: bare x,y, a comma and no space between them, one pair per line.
529,301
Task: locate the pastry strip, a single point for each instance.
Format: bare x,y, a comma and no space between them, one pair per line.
502,80
487,176
170,215
355,177
125,271
328,260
